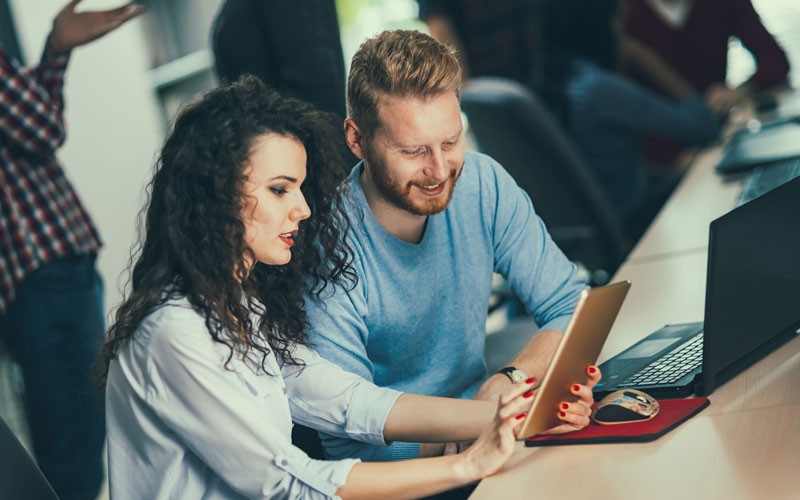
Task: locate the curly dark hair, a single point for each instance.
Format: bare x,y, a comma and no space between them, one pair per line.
192,242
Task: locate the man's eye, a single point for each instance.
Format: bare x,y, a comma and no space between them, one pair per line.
414,152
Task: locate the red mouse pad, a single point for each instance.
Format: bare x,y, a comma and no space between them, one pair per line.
673,412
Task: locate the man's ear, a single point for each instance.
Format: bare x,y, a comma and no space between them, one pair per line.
354,138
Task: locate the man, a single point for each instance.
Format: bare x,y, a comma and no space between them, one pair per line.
430,226
51,308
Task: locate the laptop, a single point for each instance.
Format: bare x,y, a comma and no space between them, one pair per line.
752,305
768,143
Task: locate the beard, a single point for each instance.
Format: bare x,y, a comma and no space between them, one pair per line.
400,195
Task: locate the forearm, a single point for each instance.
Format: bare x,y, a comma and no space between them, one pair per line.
409,479
650,65
535,357
427,419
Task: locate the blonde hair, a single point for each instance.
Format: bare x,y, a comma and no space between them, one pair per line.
400,63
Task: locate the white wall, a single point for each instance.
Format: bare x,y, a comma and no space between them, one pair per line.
113,125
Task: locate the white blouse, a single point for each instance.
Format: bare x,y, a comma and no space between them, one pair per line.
181,425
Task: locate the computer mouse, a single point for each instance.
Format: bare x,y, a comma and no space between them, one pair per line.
626,405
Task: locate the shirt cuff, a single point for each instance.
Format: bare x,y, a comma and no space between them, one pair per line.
367,413
322,475
53,59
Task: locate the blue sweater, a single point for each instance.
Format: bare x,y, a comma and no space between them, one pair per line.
416,320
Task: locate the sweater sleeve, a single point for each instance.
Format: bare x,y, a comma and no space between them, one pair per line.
772,65
525,254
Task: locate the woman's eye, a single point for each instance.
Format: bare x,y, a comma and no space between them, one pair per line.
280,191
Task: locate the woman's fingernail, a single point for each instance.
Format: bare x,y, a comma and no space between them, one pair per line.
592,370
562,414
527,394
530,380
564,406
576,388
521,415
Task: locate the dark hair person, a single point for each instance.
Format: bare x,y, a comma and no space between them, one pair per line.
206,363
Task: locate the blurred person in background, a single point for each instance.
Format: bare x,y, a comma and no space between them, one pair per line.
491,38
606,114
692,37
51,296
293,47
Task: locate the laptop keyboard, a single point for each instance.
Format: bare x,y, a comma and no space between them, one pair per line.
670,367
767,177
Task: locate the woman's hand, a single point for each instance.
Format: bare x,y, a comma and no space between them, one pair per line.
496,443
576,414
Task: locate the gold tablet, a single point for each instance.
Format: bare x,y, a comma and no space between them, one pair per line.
586,333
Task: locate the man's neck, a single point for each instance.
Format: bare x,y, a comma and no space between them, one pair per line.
396,221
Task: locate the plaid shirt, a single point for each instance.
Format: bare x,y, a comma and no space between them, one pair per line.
41,218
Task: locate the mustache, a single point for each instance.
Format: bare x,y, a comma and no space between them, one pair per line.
428,181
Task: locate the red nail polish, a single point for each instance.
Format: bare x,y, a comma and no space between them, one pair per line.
564,406
576,388
530,380
562,414
528,394
592,369
521,416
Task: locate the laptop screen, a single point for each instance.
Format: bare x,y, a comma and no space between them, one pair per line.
753,288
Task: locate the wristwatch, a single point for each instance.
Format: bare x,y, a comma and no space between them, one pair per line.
513,373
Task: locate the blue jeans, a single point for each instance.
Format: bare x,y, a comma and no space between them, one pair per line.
53,329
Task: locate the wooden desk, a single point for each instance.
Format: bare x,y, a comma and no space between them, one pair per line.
747,455
746,445
682,225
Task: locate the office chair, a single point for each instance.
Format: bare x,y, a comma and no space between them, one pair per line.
512,126
20,477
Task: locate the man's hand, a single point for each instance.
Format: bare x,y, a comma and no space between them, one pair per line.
576,414
721,98
71,28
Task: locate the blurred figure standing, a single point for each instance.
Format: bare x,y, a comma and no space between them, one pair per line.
51,296
294,47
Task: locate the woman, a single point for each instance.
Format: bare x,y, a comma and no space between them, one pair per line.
206,364
608,115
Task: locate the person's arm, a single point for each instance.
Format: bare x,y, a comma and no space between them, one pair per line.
538,272
427,476
641,59
31,102
772,65
31,116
